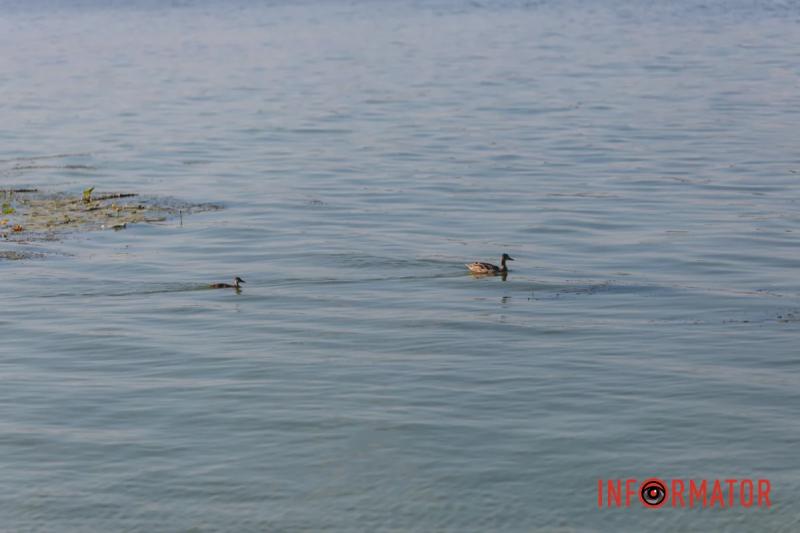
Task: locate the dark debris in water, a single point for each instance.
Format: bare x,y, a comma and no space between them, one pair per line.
588,289
19,256
785,317
28,214
789,317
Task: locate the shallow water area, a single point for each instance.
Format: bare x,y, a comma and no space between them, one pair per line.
638,161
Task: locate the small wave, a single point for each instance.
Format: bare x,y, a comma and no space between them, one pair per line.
42,157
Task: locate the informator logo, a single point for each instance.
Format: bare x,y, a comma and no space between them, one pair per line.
655,493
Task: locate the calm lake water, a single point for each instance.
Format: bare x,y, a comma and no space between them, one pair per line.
639,160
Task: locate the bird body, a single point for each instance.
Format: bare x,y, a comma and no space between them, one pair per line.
488,268
483,268
236,281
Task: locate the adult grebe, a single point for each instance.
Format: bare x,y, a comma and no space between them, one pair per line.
236,281
488,268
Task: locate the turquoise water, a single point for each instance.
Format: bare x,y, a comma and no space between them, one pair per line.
639,161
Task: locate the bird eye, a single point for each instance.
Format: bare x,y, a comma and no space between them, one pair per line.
653,493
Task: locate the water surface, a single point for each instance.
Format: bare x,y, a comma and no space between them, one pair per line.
639,161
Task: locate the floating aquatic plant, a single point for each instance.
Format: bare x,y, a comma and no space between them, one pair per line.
39,215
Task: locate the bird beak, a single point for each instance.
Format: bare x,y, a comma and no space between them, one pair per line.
510,258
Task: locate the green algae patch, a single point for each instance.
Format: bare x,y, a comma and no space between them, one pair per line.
28,214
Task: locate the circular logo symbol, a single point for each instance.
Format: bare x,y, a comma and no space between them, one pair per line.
653,493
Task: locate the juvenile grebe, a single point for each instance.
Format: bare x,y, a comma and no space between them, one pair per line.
236,281
488,268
